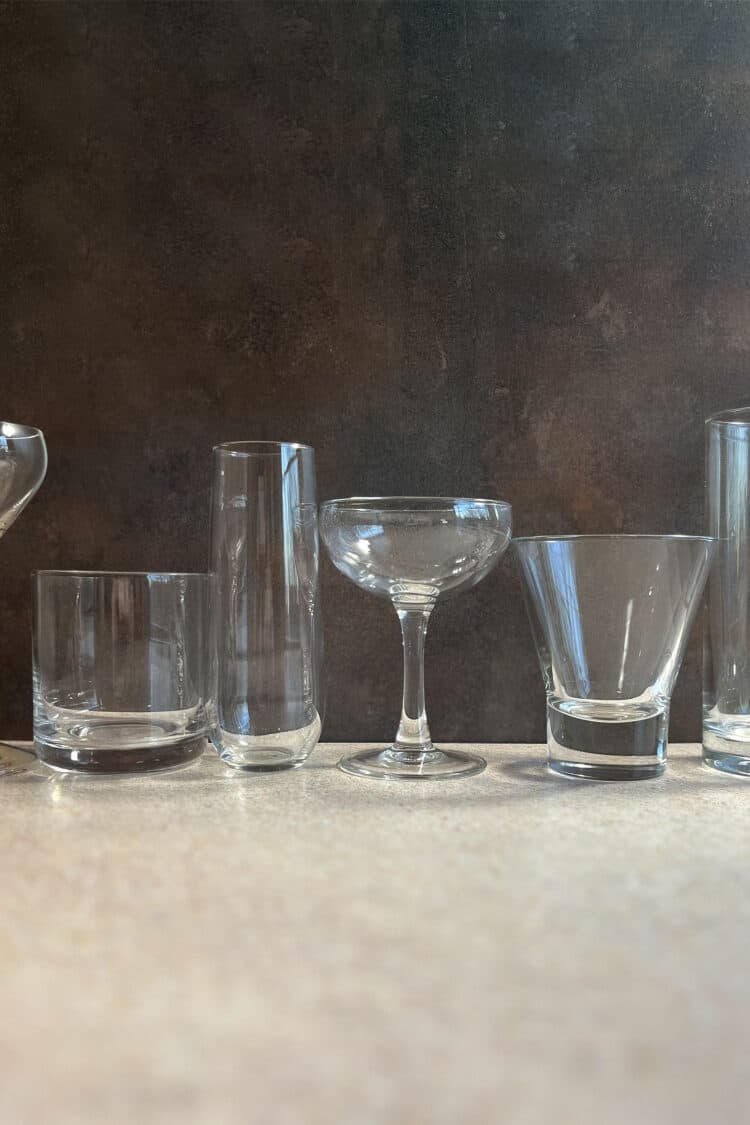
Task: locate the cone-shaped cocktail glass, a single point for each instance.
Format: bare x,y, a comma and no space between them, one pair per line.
412,550
611,616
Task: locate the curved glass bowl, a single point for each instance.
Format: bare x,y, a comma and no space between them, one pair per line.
23,465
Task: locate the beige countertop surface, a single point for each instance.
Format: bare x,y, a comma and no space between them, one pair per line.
206,946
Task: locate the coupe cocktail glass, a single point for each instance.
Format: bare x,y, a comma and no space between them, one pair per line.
413,550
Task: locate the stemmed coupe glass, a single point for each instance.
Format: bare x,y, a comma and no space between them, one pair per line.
23,464
413,550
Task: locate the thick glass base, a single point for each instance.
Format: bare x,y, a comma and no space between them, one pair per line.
270,762
726,746
267,753
411,765
602,741
129,760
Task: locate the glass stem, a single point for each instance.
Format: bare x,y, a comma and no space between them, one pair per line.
413,735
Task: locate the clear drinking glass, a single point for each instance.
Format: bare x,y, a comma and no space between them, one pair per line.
726,638
121,670
411,550
610,616
23,465
266,626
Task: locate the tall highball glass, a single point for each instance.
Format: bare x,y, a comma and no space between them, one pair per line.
611,616
266,627
726,638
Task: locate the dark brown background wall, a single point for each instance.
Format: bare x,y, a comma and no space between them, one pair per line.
464,248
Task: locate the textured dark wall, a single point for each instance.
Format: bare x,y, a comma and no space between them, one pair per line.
468,248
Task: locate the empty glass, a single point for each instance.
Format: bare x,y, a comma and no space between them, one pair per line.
611,616
121,670
412,550
23,464
726,640
266,627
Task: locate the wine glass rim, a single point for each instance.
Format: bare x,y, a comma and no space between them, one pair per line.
120,573
666,537
259,448
368,503
19,431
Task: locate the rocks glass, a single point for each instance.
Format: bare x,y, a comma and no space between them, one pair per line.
412,550
611,616
121,670
266,629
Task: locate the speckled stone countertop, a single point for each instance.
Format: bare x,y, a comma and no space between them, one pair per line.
308,947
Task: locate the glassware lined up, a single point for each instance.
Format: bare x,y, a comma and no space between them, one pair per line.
133,672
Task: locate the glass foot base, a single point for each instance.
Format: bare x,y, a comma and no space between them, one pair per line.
130,760
601,741
409,765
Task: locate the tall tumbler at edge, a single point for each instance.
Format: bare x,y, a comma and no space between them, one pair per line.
726,638
266,627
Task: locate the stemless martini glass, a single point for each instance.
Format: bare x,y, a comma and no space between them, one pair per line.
412,550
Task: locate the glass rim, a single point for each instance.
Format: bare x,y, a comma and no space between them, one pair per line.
735,416
120,574
24,432
367,503
660,537
255,448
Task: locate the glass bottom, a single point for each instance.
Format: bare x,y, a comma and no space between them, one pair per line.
606,741
270,762
121,760
411,765
267,753
726,745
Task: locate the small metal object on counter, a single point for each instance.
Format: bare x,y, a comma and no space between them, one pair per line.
14,759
